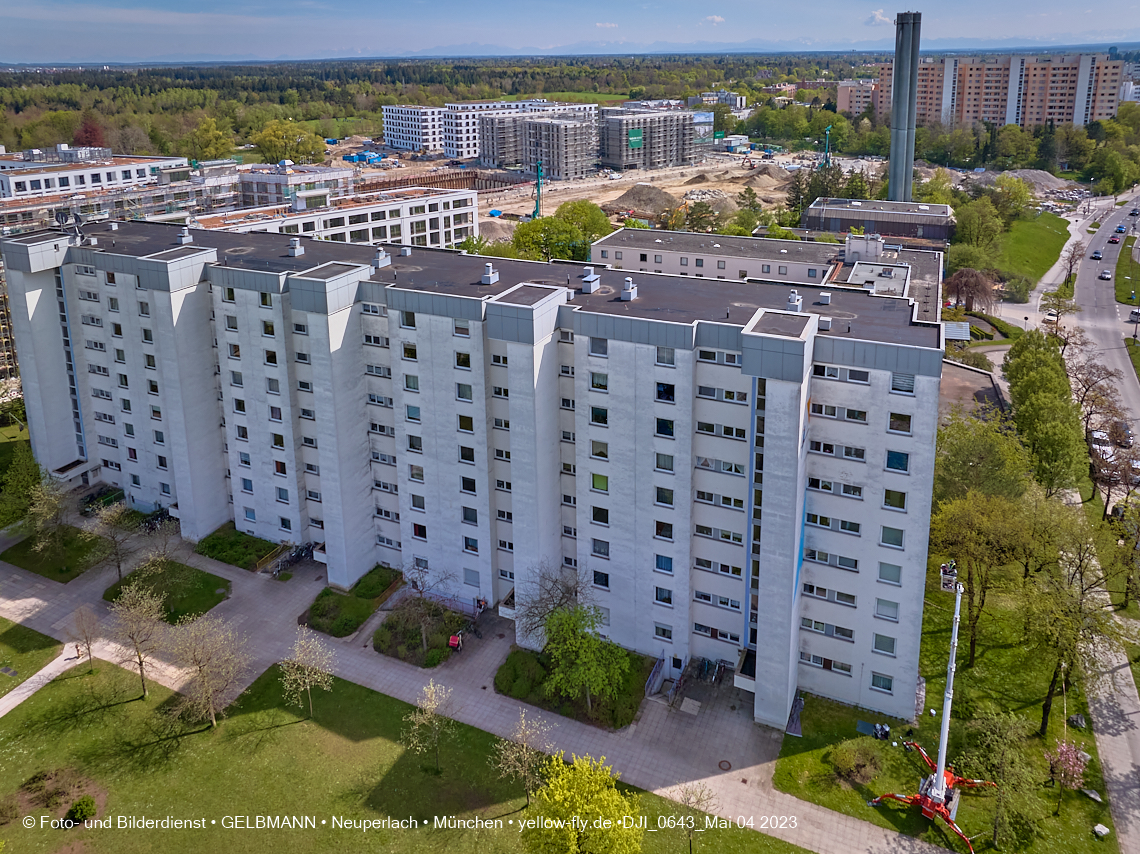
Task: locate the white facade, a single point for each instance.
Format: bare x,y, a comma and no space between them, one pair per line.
412,128
418,407
76,170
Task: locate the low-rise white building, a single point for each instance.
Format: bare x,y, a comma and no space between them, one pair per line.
64,169
741,468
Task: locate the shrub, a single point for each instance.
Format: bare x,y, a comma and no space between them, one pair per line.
855,761
436,656
343,626
382,639
521,675
1017,288
375,581
82,809
401,652
338,615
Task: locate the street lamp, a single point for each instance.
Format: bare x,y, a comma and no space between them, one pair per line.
1025,325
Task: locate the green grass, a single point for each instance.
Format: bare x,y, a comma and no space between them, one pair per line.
186,590
1008,675
1127,275
79,553
25,651
1032,246
266,759
1094,227
523,675
341,614
234,547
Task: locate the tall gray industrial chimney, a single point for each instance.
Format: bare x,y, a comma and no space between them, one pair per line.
904,104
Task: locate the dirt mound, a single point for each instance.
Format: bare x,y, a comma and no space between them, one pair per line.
725,206
492,230
645,197
771,170
1039,180
764,182
697,179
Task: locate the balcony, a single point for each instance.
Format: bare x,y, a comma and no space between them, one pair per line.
507,606
319,554
173,511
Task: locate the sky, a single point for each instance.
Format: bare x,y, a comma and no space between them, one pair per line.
66,31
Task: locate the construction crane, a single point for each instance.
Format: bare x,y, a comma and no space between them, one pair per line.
938,794
827,146
538,193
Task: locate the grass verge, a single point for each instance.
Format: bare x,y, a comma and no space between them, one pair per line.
1006,676
1032,246
234,547
186,590
1127,275
266,759
523,676
1009,330
80,552
23,650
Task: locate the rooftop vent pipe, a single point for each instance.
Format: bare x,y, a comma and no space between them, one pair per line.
382,259
629,290
295,247
795,301
184,236
591,281
490,274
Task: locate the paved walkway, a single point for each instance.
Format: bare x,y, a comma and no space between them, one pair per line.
37,680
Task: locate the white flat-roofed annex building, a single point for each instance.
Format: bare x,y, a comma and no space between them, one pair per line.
417,407
76,170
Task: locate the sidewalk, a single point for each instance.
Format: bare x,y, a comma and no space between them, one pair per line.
33,683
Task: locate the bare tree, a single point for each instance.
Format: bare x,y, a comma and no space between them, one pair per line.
45,517
425,588
696,799
310,667
113,524
164,539
1095,385
549,588
1115,472
1064,307
87,630
138,625
430,722
217,659
1072,258
522,756
972,287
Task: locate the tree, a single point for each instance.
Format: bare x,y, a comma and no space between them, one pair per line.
978,531
584,790
581,661
430,722
630,222
87,630
216,656
424,586
1063,306
163,540
856,186
979,453
280,140
971,287
1011,197
523,756
1094,384
723,119
115,525
747,199
138,626
546,588
700,218
209,142
549,237
1067,762
89,133
964,256
978,224
1113,473
45,518
938,190
1072,258
310,667
996,751
23,475
695,799
587,217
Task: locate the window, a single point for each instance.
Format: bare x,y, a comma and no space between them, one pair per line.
283,495
412,413
601,450
468,485
246,484
410,352
499,391
408,319
599,382
144,309
502,424
164,488
303,358
663,530
852,491
466,424
664,496
599,347
894,499
899,423
235,351
879,682
890,573
156,413
892,537
463,391
600,515
849,527
417,502
277,440
666,356
902,383
854,453
161,462
275,413
242,432
300,328
236,378
243,459
462,328
411,382
501,454
419,531
239,405
466,455
664,563
887,610
600,482
663,596
470,516
416,473
267,299
898,461
463,361
665,427
601,579
666,392
599,415
664,462
856,415
285,524
600,548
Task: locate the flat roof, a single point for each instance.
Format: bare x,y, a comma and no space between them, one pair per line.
677,299
27,166
881,206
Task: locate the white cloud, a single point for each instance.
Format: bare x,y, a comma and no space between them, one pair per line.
606,26
877,19
715,19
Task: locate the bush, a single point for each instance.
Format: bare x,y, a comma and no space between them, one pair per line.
237,548
375,581
521,675
969,357
82,809
855,761
382,639
435,657
337,614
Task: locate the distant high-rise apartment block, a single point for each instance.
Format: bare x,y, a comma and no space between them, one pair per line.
855,96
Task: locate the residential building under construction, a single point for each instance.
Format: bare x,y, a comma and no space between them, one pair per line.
636,139
566,145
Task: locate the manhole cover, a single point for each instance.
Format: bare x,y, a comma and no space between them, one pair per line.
724,765
500,637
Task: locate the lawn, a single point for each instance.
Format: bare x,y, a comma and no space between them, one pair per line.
234,547
265,759
523,674
9,437
341,614
1127,274
24,651
1032,246
187,590
1008,675
79,554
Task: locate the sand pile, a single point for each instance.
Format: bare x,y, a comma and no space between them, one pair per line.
771,170
697,179
492,230
1039,180
645,197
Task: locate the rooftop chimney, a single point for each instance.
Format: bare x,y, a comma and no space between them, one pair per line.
591,281
295,247
114,226
629,290
382,259
904,103
825,324
490,274
184,236
795,301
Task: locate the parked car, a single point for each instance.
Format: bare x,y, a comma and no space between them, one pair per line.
1134,212
1121,433
1050,317
1114,240
1099,438
1134,315
1105,274
1097,256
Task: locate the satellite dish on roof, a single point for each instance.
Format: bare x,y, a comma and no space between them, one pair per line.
61,217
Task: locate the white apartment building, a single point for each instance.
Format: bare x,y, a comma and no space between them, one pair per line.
417,216
64,169
412,128
415,407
